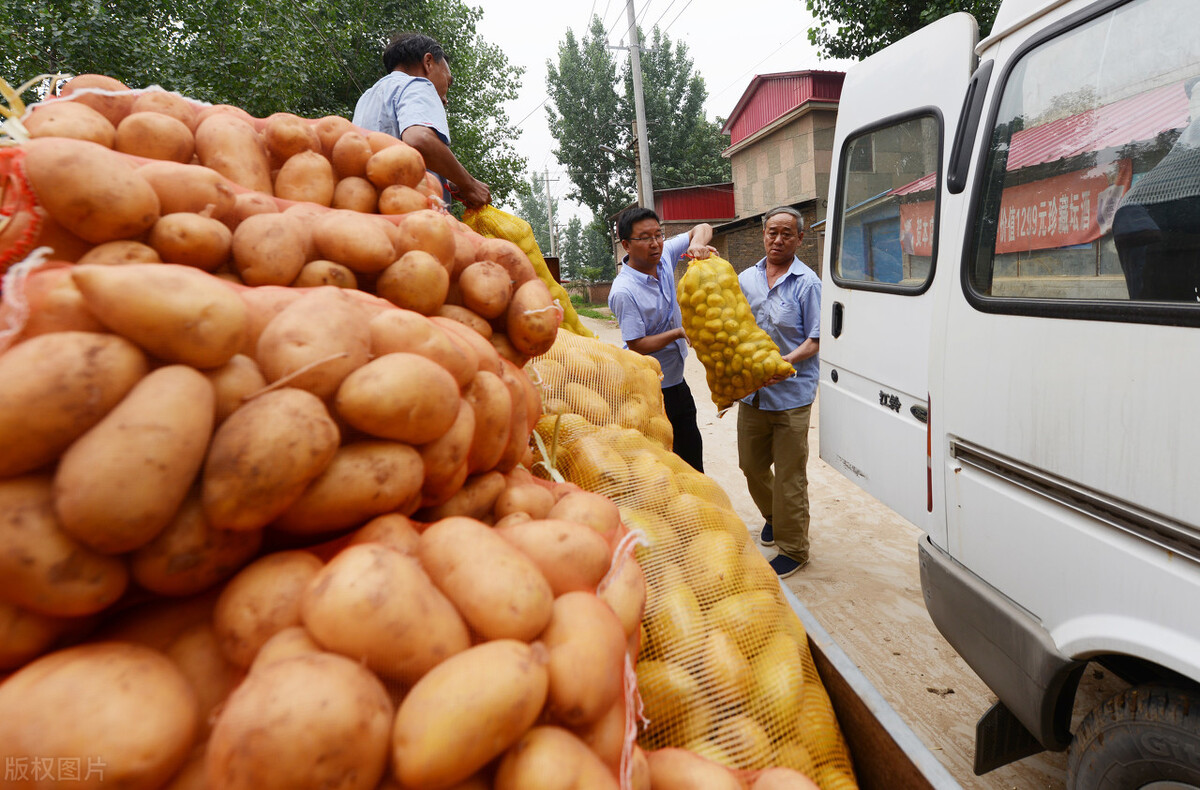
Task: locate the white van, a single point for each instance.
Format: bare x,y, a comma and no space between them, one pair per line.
1010,358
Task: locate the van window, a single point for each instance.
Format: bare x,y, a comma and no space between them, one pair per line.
1091,187
887,203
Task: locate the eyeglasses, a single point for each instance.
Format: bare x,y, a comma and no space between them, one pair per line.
655,237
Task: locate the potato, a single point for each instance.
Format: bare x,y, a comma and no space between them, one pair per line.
286,135
400,396
587,658
316,342
398,199
188,556
306,176
247,204
779,778
117,253
108,96
378,606
551,758
176,313
476,323
155,136
330,129
120,484
269,249
492,404
474,500
606,735
262,305
624,590
317,273
498,590
54,387
426,230
54,304
640,771
158,622
25,635
355,193
466,711
198,656
533,499
571,556
396,164
70,119
680,769
231,146
165,103
416,282
264,456
533,319
233,384
508,255
94,193
507,350
260,601
350,154
445,458
486,288
307,721
364,480
585,507
191,188
356,240
489,360
291,641
404,330
393,530
518,439
192,240
205,112
121,709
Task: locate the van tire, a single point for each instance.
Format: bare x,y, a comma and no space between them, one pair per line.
1141,735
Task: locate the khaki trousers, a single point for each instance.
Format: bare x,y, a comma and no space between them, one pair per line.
777,439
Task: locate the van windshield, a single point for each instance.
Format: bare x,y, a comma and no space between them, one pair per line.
1092,182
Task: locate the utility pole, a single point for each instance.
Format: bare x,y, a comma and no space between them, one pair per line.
646,187
550,213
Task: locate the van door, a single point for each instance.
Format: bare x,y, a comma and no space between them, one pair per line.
896,120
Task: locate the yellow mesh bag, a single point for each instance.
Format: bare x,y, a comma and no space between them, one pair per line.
724,668
738,356
494,223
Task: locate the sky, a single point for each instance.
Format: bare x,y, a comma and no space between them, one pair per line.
728,42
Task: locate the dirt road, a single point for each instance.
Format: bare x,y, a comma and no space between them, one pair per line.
863,586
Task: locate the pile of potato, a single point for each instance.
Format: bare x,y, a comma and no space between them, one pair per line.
602,385
463,653
738,356
724,673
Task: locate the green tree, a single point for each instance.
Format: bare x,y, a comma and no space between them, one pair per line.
588,113
308,57
531,207
586,252
858,28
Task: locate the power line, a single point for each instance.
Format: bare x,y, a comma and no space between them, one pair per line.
737,80
676,19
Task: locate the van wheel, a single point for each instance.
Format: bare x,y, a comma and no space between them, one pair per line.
1144,737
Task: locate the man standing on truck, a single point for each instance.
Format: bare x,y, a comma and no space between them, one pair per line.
785,297
643,300
409,102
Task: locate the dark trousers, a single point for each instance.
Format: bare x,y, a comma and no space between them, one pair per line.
681,411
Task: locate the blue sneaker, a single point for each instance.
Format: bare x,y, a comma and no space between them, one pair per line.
785,566
767,535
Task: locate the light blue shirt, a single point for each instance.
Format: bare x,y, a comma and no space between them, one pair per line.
398,101
790,313
645,305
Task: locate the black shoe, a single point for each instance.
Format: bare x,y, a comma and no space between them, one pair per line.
784,566
767,535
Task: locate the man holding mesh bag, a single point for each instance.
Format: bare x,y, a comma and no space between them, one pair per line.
785,297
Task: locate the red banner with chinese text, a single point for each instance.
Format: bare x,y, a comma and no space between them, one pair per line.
1074,208
916,227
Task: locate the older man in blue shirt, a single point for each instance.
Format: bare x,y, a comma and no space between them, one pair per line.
643,300
409,102
785,297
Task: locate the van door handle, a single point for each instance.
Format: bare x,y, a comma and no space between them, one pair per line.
837,318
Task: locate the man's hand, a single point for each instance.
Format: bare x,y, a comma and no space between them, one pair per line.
474,193
701,251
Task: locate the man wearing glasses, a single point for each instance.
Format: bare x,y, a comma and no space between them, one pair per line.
643,300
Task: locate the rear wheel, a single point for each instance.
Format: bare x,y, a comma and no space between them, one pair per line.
1144,738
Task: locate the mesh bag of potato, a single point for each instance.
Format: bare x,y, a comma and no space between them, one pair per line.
738,356
492,222
724,671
